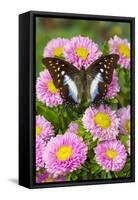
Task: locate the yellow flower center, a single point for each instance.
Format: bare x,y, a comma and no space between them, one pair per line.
58,51
111,154
38,130
48,180
102,120
124,50
52,87
127,126
64,153
82,52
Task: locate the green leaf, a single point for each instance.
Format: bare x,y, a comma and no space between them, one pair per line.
124,80
74,177
105,48
124,139
109,176
114,100
68,177
103,174
47,112
95,169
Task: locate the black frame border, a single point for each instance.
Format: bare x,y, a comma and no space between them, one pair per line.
30,142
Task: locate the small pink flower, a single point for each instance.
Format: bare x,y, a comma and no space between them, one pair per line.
64,154
40,147
81,51
46,90
73,128
48,178
122,48
124,115
102,122
55,47
111,155
44,128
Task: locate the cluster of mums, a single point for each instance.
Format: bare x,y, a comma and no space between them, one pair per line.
80,51
62,154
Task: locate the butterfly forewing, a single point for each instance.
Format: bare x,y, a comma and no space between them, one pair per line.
104,65
63,75
58,69
99,75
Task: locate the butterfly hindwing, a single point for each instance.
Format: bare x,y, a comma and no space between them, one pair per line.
99,75
63,75
102,87
64,92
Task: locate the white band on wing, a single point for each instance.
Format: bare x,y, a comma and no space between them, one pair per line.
94,86
73,91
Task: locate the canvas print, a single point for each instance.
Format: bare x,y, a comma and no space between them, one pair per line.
83,100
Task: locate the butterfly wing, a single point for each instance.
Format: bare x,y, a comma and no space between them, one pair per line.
64,76
99,76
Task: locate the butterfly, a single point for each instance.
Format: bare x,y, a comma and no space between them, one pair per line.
73,84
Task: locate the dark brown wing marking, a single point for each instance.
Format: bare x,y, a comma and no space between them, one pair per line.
103,67
59,70
102,92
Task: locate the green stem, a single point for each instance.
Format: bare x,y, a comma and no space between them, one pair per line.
61,118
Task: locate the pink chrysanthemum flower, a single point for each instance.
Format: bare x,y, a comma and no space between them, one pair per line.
122,48
102,122
124,115
44,128
48,178
113,87
55,47
73,128
81,51
40,147
111,155
64,154
46,90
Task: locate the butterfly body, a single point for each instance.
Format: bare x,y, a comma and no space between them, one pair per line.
91,82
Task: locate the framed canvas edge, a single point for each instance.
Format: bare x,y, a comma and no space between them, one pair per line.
24,119
34,14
